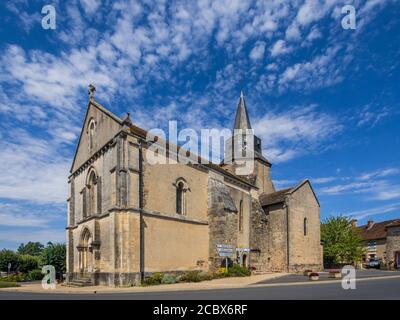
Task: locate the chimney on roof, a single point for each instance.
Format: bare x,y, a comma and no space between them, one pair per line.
369,224
354,223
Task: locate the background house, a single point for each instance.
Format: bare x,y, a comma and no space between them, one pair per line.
381,240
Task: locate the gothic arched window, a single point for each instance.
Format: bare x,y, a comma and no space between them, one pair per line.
181,189
179,198
92,194
91,133
305,226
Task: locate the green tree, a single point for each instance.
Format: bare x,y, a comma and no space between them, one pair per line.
55,255
31,248
27,263
342,243
9,256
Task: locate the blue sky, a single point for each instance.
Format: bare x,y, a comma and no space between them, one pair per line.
324,100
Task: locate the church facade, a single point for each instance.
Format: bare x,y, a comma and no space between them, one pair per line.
128,218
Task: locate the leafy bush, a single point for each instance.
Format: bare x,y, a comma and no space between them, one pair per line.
204,276
27,263
54,254
191,276
35,274
155,278
31,248
342,242
238,271
169,279
6,257
15,277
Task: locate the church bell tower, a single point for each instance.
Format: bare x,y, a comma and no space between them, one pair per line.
237,150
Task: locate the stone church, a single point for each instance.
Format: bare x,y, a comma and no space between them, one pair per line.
128,219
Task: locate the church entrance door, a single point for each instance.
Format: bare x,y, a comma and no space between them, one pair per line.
85,253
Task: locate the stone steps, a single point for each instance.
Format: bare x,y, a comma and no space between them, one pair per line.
82,282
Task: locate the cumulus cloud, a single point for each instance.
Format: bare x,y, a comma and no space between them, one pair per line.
257,53
289,134
33,169
321,71
279,48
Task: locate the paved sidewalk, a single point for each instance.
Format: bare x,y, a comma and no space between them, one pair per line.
234,282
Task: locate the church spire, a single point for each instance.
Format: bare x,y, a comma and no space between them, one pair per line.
242,120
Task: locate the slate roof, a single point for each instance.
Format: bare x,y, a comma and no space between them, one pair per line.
274,198
142,133
242,120
377,230
222,195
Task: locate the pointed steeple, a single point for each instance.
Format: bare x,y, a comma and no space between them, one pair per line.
242,120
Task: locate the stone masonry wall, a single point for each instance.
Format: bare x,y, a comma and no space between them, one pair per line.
259,243
393,244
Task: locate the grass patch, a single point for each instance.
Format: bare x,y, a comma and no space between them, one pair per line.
4,284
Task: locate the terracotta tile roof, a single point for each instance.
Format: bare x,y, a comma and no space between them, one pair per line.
395,223
274,198
377,230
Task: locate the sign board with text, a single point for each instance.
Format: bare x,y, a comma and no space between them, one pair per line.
225,250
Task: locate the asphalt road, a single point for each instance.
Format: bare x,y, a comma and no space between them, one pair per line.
366,289
324,276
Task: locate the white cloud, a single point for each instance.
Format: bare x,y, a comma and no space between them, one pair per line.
90,6
312,10
319,72
281,184
322,180
32,169
374,211
279,48
292,133
314,34
371,187
384,172
293,32
22,220
257,53
370,115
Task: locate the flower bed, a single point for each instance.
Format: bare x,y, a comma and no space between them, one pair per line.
196,276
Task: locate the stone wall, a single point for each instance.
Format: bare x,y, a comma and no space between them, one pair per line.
222,220
277,237
259,238
305,250
174,244
393,244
